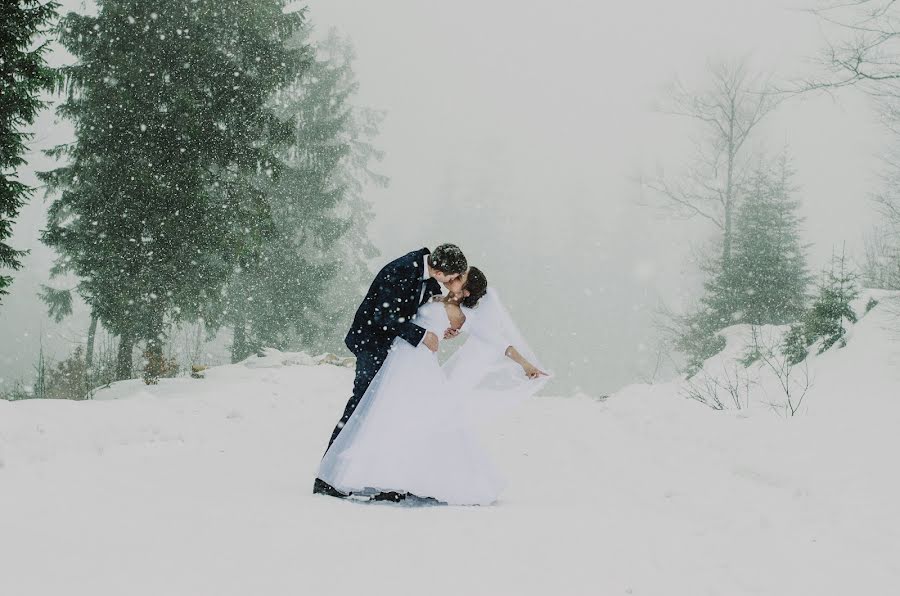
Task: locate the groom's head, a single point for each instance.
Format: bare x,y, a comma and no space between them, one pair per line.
447,262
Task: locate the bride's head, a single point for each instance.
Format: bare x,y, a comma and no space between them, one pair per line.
474,286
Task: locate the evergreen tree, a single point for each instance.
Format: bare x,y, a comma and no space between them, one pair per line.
767,281
354,250
23,76
291,293
170,102
696,336
826,317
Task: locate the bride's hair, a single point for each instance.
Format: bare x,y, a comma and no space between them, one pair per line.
476,284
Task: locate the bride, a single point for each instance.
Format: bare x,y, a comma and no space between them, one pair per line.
414,431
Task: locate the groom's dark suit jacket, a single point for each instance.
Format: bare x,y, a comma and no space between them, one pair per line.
390,306
388,311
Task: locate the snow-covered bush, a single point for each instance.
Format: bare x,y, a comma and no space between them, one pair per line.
157,367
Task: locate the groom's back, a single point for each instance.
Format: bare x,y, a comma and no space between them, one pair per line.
395,283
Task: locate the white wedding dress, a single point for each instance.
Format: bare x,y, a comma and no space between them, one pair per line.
414,430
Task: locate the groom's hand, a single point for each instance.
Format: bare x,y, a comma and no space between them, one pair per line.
431,341
450,333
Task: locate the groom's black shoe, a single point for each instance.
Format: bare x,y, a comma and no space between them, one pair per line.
323,488
408,499
390,495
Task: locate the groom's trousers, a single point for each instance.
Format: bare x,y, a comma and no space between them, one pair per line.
367,366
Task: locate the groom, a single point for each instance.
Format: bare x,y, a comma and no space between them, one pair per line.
389,311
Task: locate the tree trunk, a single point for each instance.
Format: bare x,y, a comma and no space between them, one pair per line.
156,366
729,192
239,342
92,332
124,356
155,349
40,384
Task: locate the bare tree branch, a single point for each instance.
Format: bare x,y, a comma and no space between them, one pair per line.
866,51
729,108
786,373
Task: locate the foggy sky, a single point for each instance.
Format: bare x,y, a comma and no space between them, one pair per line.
515,129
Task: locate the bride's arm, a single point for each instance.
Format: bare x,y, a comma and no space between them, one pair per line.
453,310
456,317
492,334
531,371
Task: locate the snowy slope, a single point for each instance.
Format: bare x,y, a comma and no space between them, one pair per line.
197,487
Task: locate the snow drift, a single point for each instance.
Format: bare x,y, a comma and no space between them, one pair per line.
203,486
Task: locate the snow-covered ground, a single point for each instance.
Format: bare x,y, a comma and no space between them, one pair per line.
202,487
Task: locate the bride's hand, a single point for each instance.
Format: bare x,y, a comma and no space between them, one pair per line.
533,372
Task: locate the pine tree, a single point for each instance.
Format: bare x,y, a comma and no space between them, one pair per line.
767,278
696,336
828,314
23,76
171,105
291,293
767,281
354,250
